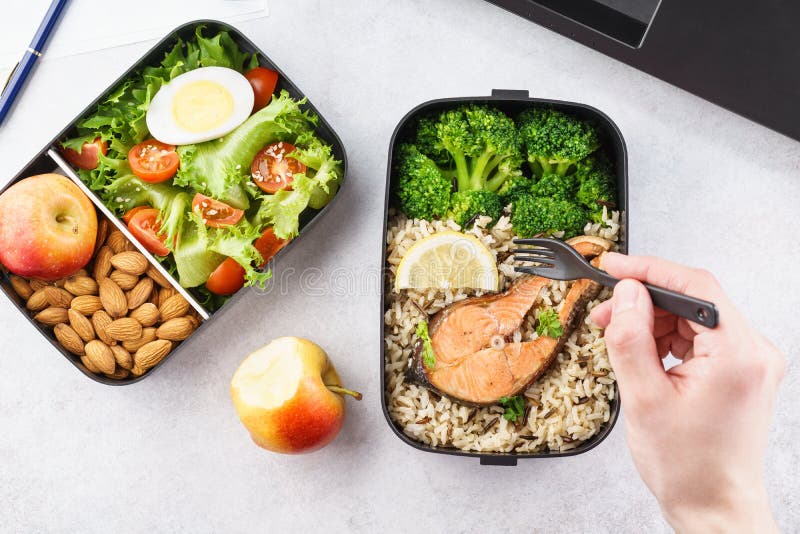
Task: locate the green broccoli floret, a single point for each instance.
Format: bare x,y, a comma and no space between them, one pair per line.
533,216
515,187
428,143
554,141
597,161
555,186
596,184
465,206
596,190
423,190
482,143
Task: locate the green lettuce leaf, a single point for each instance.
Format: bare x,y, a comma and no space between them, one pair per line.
127,191
221,168
193,258
222,51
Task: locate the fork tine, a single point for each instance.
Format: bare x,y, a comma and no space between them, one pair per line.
549,262
539,242
537,271
540,251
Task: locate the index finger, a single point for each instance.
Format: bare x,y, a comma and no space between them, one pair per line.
669,275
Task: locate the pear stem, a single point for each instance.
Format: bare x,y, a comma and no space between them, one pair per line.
342,391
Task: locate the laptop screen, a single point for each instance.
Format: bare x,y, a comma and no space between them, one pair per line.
626,21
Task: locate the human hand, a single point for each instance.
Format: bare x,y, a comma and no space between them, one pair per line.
697,432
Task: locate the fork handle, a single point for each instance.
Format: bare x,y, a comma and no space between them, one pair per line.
693,309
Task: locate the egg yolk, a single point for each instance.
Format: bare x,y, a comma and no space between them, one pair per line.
202,106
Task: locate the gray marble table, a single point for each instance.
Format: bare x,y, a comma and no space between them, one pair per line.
169,455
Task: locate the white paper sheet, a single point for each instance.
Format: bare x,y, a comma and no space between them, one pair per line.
88,25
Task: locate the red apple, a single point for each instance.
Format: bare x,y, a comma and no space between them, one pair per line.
47,227
289,396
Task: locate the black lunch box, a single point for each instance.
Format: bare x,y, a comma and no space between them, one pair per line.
49,159
511,102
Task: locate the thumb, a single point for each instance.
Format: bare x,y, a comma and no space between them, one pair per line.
631,345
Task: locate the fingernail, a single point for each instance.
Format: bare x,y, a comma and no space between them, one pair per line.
626,295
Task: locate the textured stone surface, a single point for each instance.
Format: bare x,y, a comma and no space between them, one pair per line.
169,455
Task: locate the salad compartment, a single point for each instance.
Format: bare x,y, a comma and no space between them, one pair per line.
512,103
49,160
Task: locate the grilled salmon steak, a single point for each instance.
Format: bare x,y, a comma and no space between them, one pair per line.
476,362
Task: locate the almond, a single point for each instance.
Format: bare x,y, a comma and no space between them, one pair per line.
82,326
140,293
69,339
148,335
36,285
174,306
125,329
52,316
89,365
130,262
164,293
102,263
102,233
157,277
146,314
117,241
153,298
194,320
151,354
125,281
86,304
118,374
113,299
37,301
100,356
122,357
81,285
21,287
176,329
100,321
60,298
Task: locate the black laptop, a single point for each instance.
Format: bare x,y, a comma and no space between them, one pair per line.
743,56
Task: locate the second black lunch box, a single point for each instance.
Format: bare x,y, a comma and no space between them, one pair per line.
49,160
512,103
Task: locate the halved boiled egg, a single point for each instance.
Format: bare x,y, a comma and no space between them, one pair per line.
200,105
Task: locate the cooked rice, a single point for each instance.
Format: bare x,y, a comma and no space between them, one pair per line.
569,404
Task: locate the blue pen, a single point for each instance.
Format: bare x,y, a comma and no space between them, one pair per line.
23,69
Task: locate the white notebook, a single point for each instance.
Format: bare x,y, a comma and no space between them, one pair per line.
89,25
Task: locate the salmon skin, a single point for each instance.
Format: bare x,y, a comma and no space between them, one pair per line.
476,361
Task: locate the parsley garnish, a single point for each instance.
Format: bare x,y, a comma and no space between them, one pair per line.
428,357
549,325
515,407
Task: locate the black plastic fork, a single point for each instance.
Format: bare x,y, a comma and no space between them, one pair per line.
559,261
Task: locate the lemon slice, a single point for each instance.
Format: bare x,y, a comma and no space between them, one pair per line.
447,260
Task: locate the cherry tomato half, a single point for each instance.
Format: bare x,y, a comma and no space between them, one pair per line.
154,161
133,211
268,245
87,159
144,227
272,170
214,212
228,278
263,82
